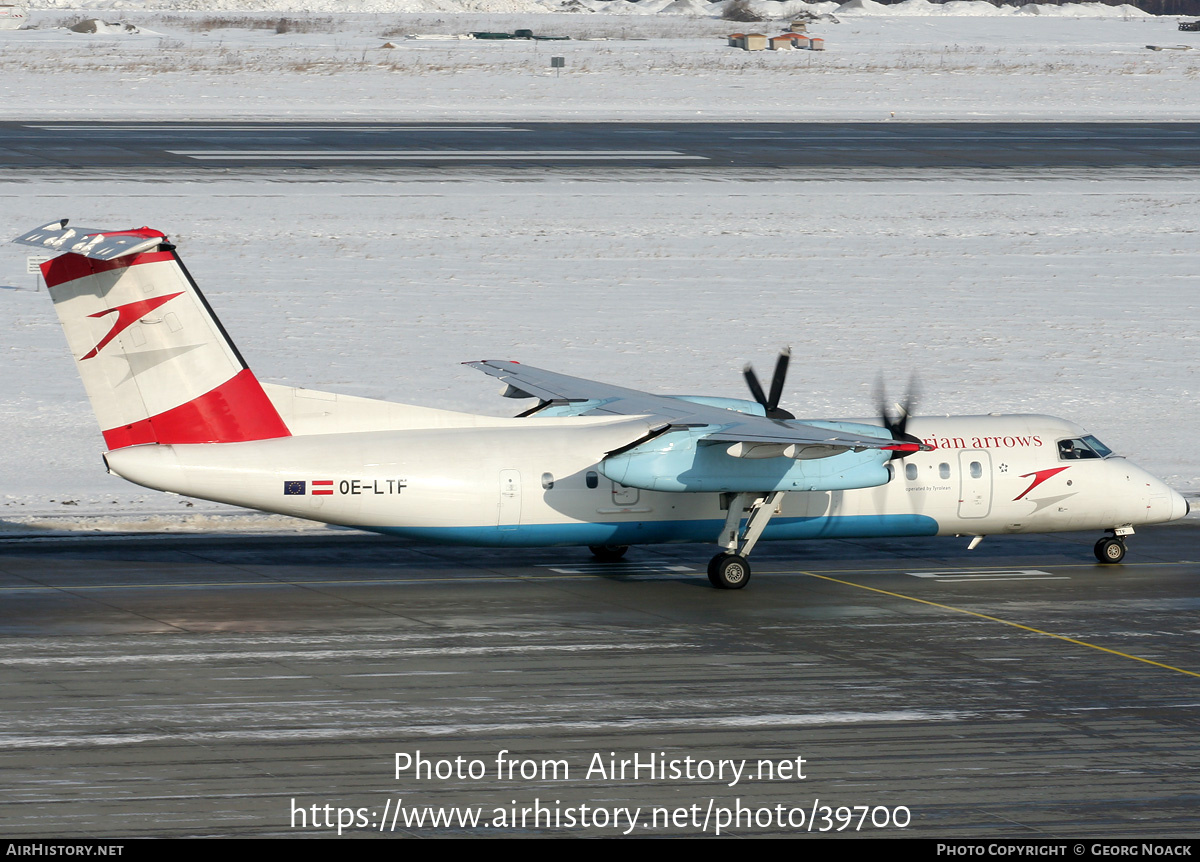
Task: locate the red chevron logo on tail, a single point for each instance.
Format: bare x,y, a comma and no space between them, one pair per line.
127,315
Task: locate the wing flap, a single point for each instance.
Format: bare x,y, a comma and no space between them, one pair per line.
807,436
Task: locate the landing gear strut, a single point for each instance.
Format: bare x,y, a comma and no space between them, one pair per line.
729,569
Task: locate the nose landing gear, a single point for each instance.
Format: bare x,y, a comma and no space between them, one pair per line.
1110,549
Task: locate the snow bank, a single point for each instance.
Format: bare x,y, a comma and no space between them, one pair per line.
286,7
96,26
687,7
773,9
1083,10
909,8
652,67
976,8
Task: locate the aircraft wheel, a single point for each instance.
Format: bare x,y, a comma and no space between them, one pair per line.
608,553
728,572
1110,550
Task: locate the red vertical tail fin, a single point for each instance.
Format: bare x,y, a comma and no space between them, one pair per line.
157,365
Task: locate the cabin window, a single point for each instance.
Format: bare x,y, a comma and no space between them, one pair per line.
944,470
591,479
891,471
910,472
547,481
976,470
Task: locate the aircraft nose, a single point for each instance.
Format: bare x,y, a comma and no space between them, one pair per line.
1179,506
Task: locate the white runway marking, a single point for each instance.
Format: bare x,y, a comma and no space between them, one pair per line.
616,569
818,136
332,127
352,730
435,155
997,575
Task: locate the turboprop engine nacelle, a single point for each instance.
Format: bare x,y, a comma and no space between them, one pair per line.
681,461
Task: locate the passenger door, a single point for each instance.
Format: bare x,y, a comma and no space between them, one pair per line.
975,496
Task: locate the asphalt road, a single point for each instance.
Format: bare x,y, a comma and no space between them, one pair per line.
282,145
180,686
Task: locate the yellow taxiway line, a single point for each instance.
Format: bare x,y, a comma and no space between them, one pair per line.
1002,622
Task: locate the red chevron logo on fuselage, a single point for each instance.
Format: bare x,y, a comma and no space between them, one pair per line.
127,315
1038,478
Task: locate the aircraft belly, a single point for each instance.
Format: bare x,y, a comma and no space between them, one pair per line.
664,531
569,517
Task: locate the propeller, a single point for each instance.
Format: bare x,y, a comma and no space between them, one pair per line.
897,423
771,403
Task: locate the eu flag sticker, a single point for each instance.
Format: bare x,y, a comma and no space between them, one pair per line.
293,488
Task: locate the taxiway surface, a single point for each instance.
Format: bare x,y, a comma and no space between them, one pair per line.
717,146
176,686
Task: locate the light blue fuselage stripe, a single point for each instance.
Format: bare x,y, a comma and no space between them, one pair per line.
660,532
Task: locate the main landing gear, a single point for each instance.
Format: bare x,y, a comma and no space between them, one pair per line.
1111,549
608,553
729,569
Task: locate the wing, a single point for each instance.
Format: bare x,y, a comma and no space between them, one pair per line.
716,424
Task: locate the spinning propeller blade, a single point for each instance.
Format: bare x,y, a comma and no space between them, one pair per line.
771,404
896,424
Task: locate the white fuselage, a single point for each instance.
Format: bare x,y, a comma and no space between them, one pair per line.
468,479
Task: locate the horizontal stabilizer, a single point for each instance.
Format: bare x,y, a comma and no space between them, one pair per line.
56,237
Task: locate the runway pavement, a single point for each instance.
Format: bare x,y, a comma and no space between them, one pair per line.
714,146
226,685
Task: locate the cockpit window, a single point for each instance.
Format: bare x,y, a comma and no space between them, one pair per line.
1081,448
1097,447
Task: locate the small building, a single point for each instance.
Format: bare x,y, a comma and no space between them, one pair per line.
789,42
737,40
755,42
816,43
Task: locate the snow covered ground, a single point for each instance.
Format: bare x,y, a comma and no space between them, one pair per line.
666,66
1070,295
